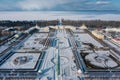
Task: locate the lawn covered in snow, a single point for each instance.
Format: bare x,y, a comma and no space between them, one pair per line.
9,64
84,37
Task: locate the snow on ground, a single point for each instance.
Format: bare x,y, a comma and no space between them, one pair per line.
68,70
48,66
62,36
101,59
79,30
35,41
30,15
40,35
3,47
84,37
32,44
66,57
9,64
111,44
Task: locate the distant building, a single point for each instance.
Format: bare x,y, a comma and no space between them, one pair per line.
117,40
112,29
83,26
98,34
70,27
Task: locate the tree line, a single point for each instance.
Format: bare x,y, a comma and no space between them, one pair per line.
76,23
28,24
92,23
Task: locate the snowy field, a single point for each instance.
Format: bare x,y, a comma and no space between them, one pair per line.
55,15
9,64
113,45
79,31
35,41
3,47
68,68
101,59
84,37
62,36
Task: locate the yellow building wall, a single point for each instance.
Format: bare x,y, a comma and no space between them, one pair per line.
98,35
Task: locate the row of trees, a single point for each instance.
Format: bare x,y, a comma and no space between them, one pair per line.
28,23
77,23
92,23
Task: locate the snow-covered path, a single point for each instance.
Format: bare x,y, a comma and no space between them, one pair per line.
67,66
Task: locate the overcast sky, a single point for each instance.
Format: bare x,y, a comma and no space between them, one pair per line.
51,5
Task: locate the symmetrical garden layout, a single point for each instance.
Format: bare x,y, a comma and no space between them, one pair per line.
58,53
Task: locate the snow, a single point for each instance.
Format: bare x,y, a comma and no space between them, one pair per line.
111,63
3,47
66,58
79,30
35,41
9,64
62,39
68,67
99,59
84,37
113,45
32,42
46,15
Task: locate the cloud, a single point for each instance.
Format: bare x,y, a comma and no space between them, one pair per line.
51,5
40,4
102,2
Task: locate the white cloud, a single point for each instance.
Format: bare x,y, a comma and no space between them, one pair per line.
102,2
56,5
40,4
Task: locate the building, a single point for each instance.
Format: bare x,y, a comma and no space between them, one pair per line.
83,26
98,34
